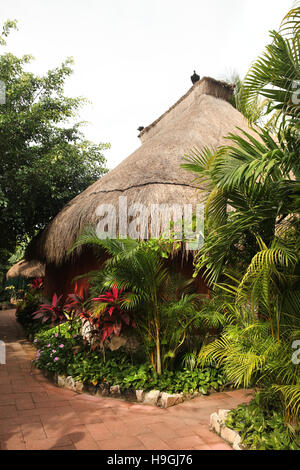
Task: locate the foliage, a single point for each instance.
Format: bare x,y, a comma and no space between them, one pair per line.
88,366
262,429
252,230
57,347
53,313
260,106
45,160
37,284
25,308
275,75
111,318
162,314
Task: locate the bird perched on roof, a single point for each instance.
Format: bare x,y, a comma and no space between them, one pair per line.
140,128
195,77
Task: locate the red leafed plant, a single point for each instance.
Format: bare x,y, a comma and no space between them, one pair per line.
37,283
110,318
74,304
53,312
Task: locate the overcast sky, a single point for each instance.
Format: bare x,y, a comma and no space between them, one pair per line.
134,58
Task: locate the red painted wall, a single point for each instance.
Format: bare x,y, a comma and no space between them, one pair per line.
60,279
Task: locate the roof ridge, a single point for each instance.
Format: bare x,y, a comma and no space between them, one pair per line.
229,86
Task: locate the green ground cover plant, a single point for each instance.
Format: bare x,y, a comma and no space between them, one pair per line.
263,429
63,351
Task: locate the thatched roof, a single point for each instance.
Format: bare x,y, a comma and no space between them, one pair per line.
151,174
26,269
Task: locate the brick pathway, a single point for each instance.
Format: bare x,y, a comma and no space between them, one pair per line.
35,414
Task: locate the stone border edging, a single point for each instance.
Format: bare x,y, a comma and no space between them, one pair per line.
152,398
217,424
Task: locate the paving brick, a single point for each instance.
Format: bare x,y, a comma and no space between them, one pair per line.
152,442
39,396
162,431
33,431
47,444
208,436
35,414
6,388
71,447
8,411
99,431
9,427
185,443
24,404
82,439
12,441
124,442
220,446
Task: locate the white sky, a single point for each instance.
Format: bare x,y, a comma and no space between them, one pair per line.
134,58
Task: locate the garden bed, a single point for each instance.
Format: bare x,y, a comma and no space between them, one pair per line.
218,425
152,397
250,427
70,363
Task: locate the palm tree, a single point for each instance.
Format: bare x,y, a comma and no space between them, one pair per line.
256,175
276,74
151,291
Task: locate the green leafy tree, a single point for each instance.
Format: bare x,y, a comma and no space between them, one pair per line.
45,160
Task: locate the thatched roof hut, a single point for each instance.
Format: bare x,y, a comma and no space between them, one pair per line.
151,174
26,269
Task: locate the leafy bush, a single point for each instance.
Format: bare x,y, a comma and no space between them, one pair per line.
57,347
25,309
63,352
263,429
143,377
53,313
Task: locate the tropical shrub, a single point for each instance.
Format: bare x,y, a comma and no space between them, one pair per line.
262,429
252,231
63,351
25,309
52,313
37,284
164,309
109,315
56,347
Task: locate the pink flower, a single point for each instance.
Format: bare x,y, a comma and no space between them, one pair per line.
61,346
35,341
48,345
55,359
54,350
56,335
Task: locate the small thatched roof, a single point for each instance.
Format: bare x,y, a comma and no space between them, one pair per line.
151,174
26,269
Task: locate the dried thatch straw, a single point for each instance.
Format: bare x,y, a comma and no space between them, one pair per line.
151,174
26,269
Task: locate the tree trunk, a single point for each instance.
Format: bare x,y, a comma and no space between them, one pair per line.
158,358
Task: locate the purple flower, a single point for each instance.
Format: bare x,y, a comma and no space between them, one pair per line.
35,341
61,346
55,359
